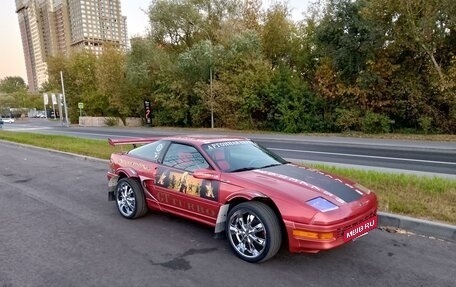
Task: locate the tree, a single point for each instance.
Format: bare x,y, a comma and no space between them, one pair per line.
277,34
303,53
346,38
147,73
79,79
111,98
419,26
178,24
420,38
251,14
349,63
172,22
244,75
12,84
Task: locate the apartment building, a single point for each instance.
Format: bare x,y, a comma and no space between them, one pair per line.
52,27
95,23
32,42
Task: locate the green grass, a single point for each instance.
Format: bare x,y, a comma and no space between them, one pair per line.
89,147
395,136
422,197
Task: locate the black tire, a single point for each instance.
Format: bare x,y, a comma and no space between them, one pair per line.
260,238
130,199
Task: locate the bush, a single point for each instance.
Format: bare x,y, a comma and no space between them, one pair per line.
374,123
111,121
348,119
425,124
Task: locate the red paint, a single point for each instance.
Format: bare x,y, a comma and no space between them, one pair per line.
287,194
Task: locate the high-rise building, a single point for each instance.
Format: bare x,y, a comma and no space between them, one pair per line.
95,23
32,42
52,27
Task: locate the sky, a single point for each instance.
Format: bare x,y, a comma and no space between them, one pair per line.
12,61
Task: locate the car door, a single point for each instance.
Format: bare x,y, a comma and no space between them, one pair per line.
179,192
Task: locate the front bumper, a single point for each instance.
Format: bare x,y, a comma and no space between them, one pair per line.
297,243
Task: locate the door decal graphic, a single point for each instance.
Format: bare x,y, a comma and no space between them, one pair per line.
182,181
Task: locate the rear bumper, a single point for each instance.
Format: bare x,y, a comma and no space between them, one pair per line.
304,244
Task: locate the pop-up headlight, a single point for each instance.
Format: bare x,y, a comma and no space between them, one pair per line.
322,204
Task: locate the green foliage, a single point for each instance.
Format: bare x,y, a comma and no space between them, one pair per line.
12,84
347,38
15,99
349,66
172,22
373,123
80,81
277,33
425,124
110,78
111,121
348,119
297,108
245,75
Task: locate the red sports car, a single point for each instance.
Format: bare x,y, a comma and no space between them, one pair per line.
243,190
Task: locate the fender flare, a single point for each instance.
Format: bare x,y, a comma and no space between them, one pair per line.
245,195
130,172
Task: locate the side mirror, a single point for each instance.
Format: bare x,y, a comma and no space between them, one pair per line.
206,174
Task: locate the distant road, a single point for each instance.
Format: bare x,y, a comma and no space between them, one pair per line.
421,157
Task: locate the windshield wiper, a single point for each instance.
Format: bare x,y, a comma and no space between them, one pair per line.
271,165
243,169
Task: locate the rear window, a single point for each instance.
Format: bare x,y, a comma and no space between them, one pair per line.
150,152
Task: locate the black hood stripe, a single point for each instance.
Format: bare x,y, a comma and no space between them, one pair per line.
318,180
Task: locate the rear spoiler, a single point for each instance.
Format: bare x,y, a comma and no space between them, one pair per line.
132,141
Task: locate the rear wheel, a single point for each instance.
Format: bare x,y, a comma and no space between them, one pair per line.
253,231
130,199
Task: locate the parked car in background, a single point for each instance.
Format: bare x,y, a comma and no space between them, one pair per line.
8,120
1,122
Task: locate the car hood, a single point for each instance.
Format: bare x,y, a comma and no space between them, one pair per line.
298,183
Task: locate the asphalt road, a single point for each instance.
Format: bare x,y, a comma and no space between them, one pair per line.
434,158
58,229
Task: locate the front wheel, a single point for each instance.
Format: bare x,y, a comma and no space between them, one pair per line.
253,231
130,199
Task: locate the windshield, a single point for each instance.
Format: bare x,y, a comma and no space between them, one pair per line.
235,156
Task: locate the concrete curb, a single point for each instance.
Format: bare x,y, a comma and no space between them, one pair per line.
419,226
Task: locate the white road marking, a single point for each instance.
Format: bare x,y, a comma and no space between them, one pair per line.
365,156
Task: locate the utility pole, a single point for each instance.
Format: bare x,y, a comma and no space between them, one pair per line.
64,100
210,79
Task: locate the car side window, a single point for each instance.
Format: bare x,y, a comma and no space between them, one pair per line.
184,157
149,152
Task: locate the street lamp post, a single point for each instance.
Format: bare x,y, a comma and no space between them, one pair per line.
210,84
64,100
